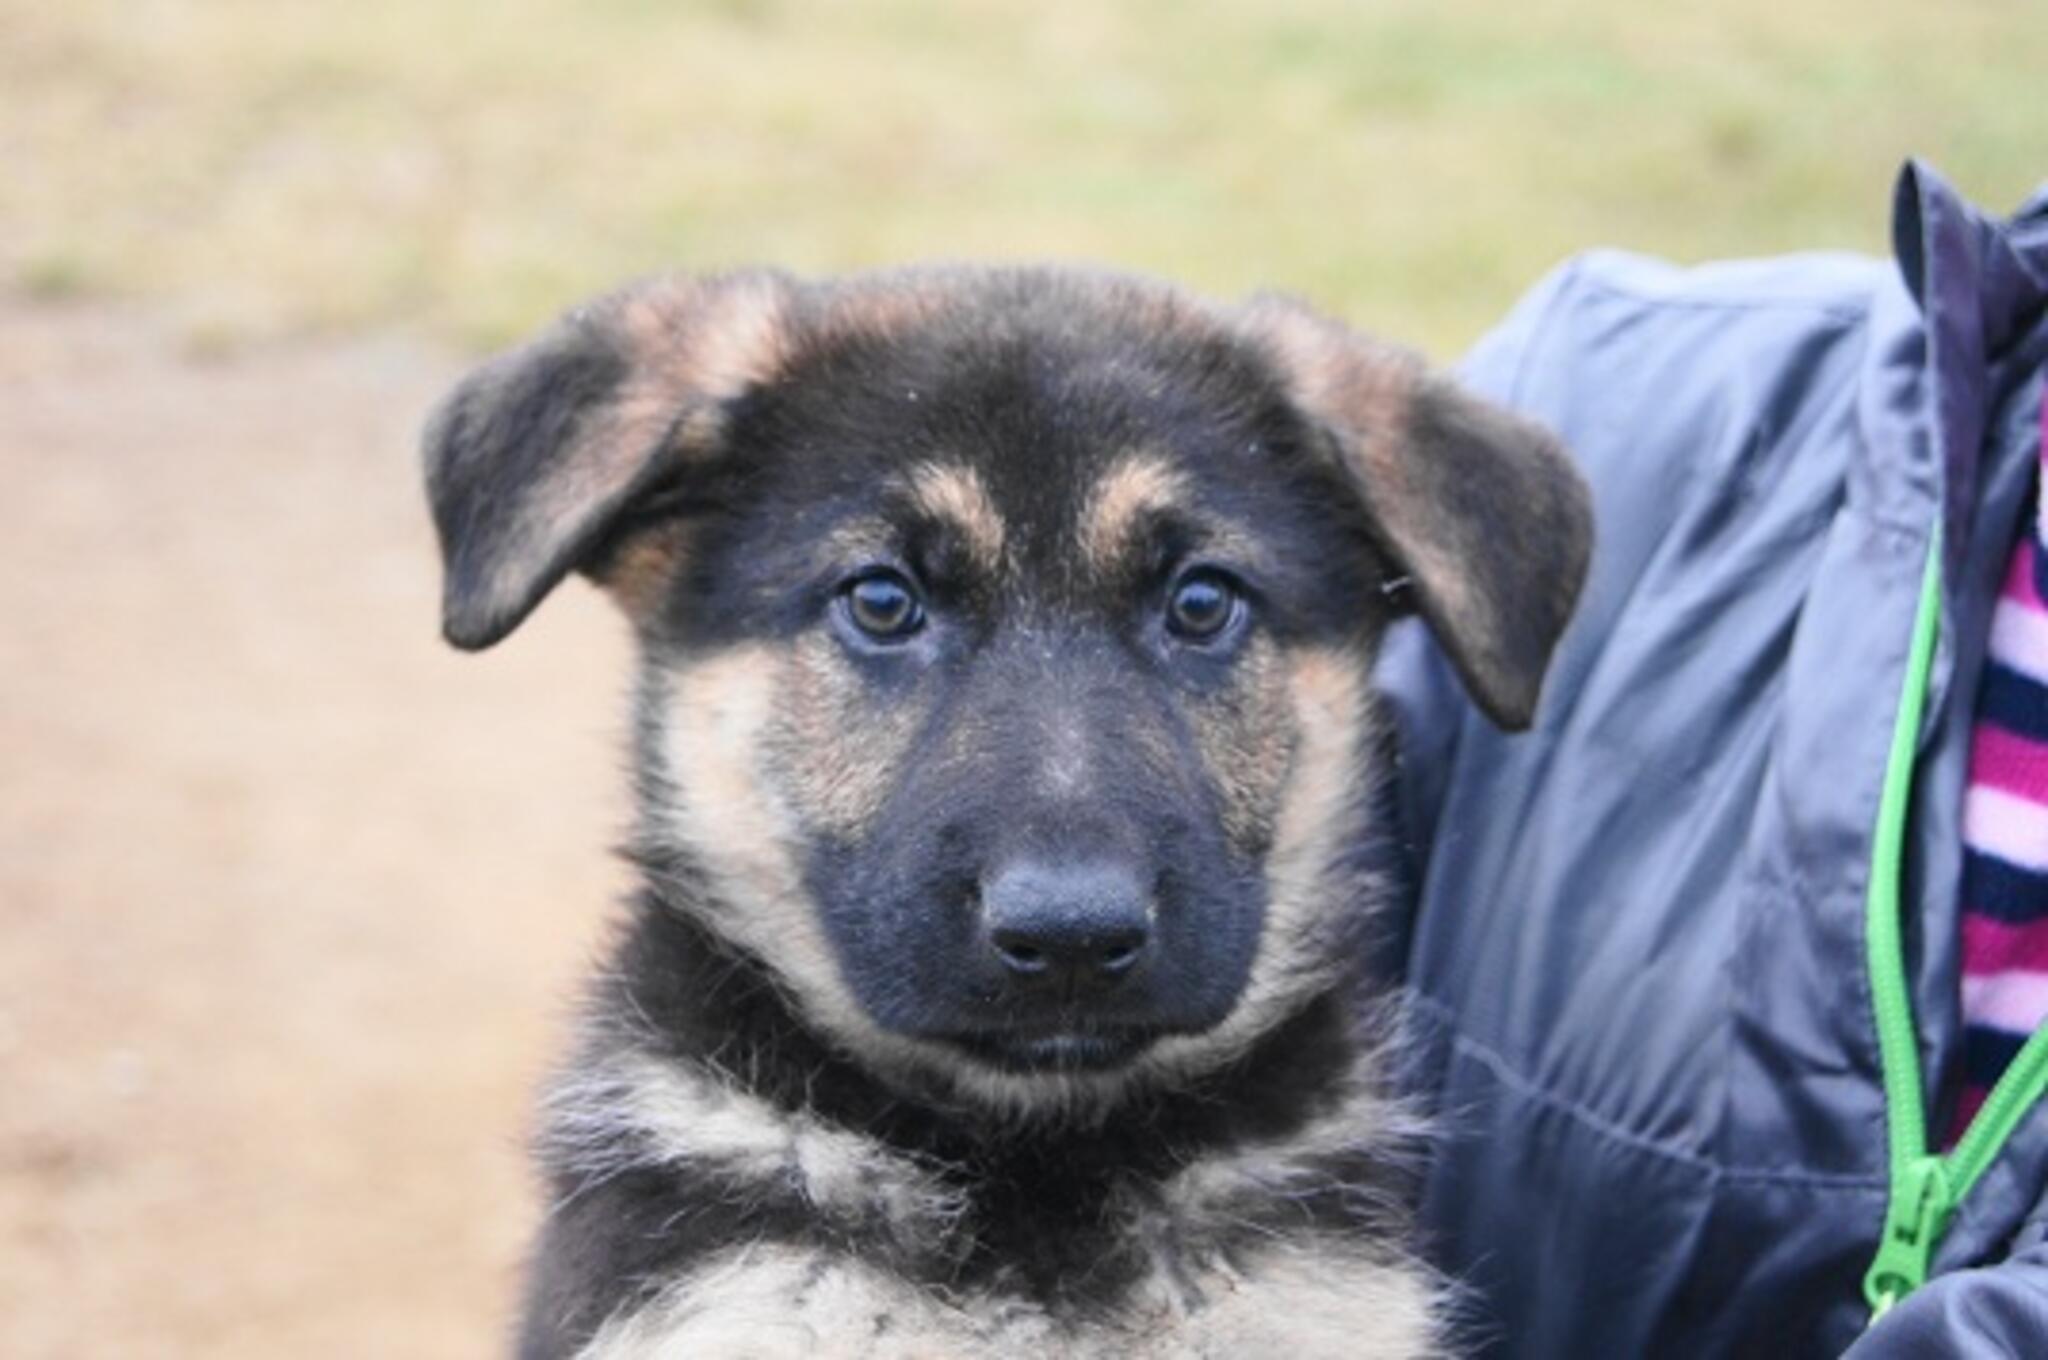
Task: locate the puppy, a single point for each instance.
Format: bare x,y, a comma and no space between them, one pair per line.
1003,738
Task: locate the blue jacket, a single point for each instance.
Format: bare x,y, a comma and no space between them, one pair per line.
1637,940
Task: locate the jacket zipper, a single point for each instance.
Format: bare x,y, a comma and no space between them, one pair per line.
1925,1188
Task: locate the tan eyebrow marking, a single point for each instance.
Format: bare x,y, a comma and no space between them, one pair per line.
863,536
956,495
1134,487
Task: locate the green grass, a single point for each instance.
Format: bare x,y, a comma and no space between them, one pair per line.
274,165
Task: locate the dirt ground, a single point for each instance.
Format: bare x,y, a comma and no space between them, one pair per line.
292,898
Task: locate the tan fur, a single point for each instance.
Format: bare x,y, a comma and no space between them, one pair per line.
640,573
1247,733
719,716
1364,390
1329,691
766,747
764,750
1332,699
773,1301
693,345
1480,508
1313,1298
734,811
722,720
737,810
840,752
855,540
708,340
880,305
634,1108
1367,384
1213,1193
1135,486
955,496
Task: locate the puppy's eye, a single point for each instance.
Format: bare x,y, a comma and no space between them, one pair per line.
884,606
1202,605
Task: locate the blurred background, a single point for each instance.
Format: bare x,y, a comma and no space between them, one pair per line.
293,900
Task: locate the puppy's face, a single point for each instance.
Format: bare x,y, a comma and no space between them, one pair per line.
1006,635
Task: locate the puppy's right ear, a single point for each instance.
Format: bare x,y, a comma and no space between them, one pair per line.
1482,510
537,454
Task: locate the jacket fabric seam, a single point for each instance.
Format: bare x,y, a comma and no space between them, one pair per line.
1505,1072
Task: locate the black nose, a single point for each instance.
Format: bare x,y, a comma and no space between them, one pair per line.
1074,924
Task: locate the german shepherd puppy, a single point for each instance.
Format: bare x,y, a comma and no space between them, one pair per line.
996,985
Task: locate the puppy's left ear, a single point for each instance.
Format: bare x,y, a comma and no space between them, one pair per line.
535,458
1480,507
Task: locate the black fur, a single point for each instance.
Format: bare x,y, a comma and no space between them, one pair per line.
1096,442
1034,1221
492,443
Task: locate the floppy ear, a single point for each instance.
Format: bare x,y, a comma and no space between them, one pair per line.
534,457
1480,507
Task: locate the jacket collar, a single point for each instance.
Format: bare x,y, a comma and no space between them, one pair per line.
1949,348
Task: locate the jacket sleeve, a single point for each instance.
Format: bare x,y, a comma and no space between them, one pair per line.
1996,1310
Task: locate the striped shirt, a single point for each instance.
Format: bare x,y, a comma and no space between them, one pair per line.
2005,827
